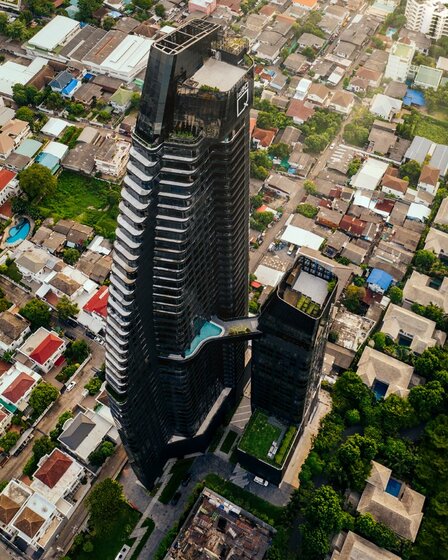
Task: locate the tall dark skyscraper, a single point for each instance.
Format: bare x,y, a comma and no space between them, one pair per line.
287,360
180,270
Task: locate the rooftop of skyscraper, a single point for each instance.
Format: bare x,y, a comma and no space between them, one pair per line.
217,75
308,286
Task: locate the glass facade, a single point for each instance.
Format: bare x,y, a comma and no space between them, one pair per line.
287,360
180,256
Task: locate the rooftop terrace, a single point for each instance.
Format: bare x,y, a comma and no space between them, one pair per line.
267,438
308,286
217,74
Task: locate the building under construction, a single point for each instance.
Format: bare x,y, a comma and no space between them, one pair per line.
218,529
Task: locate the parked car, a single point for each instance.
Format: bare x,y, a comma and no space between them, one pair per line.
70,335
261,481
71,386
90,335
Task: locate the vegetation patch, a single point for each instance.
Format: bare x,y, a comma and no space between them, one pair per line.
259,436
178,473
260,508
228,442
86,200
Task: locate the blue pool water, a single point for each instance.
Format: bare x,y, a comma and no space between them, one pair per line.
393,487
391,32
208,330
380,389
18,232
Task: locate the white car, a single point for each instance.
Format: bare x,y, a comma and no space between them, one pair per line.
261,481
71,386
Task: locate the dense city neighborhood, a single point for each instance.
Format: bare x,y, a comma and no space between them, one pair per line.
223,279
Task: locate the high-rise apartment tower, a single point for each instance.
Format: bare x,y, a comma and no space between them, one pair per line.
179,277
287,360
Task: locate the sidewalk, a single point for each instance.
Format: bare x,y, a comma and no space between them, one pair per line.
306,441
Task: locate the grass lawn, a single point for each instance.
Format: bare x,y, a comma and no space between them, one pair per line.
259,435
229,441
178,473
106,547
433,129
255,505
86,200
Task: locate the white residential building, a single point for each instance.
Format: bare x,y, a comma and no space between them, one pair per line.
43,348
112,157
16,385
427,16
399,62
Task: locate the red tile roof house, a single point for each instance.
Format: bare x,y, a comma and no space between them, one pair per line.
394,185
429,179
44,348
263,138
94,313
299,111
352,226
57,477
16,385
9,185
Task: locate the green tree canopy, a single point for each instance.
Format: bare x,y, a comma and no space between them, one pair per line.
159,10
8,441
396,294
353,297
325,510
25,114
411,170
105,503
37,181
42,396
427,400
65,308
280,150
37,312
77,351
71,255
87,7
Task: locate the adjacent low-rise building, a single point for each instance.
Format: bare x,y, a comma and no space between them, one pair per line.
13,330
392,502
86,431
350,546
411,330
43,348
425,290
16,385
112,157
437,241
383,374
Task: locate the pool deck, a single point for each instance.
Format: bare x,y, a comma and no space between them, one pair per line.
4,245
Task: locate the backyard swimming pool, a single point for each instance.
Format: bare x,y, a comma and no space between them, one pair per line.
18,232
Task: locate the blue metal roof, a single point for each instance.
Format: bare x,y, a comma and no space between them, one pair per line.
380,278
69,87
48,160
